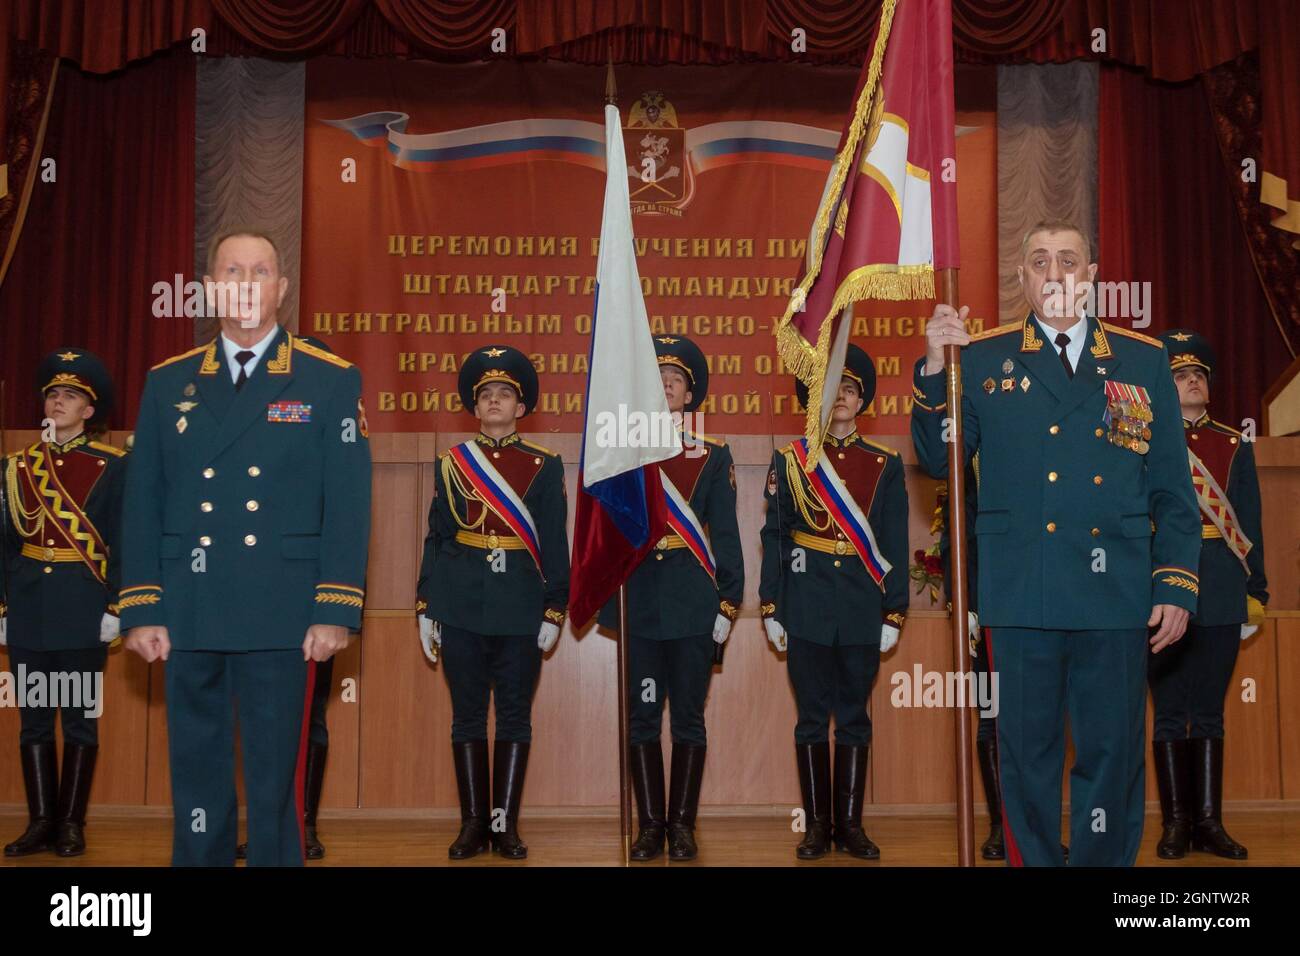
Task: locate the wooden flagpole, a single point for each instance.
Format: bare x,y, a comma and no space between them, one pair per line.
958,569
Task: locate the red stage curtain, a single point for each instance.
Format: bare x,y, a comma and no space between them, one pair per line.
1165,217
289,26
31,75
119,218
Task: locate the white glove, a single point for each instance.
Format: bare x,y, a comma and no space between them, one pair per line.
109,628
973,633
721,629
888,638
4,623
775,632
548,635
1246,630
430,635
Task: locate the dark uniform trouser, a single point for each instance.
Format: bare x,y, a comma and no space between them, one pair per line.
1098,678
1189,680
37,723
203,689
681,670
479,665
318,732
832,680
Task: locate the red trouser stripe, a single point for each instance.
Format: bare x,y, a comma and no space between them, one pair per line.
300,770
1013,851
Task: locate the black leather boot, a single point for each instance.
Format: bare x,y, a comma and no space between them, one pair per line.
74,796
1174,782
509,764
814,762
684,800
41,781
648,785
1208,834
471,760
994,848
314,778
850,793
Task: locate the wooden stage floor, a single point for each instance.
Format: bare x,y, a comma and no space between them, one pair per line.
121,836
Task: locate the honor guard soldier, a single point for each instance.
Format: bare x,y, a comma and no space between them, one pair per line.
62,511
834,593
681,604
1087,533
494,590
1188,682
246,530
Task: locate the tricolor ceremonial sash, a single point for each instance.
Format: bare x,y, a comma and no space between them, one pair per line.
62,511
682,519
1216,506
496,493
829,488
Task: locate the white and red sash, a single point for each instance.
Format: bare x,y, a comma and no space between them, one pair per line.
685,524
1216,506
830,490
497,494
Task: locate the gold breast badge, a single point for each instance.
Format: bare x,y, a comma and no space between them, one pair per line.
182,423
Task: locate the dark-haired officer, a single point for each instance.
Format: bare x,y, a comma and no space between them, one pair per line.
1189,681
494,590
834,592
681,604
62,507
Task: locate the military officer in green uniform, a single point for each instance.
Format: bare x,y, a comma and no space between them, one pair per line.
681,603
494,590
834,595
1087,534
247,520
61,503
1188,682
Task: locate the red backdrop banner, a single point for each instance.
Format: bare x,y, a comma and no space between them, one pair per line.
449,206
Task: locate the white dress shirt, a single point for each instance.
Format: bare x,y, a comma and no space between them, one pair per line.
231,348
1077,334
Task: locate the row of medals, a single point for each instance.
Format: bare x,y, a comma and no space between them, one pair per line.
1129,423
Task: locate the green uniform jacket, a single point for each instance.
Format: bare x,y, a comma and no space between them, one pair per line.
834,599
1074,532
1224,582
458,586
58,605
247,513
670,595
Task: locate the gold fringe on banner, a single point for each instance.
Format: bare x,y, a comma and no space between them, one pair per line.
805,360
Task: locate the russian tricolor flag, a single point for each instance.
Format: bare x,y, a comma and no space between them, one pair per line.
621,510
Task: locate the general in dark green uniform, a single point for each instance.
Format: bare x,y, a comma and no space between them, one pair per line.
1188,682
834,591
244,557
1087,534
494,590
61,504
681,604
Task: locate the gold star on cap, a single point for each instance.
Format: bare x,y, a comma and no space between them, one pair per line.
1181,336
668,340
494,353
69,356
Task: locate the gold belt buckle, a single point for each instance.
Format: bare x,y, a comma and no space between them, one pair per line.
662,543
841,547
493,542
49,554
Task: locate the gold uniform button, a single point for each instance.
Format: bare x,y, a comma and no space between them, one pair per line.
254,471
102,463
1051,476
1099,432
537,461
206,506
496,454
837,564
1051,527
659,557
1232,441
251,505
48,569
1055,429
880,459
1195,436
205,541
1096,479
250,539
58,461
209,472
49,541
841,454
1096,532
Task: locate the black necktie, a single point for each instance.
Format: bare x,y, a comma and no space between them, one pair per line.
1063,340
243,357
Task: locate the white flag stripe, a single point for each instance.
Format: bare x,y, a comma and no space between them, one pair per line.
624,374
